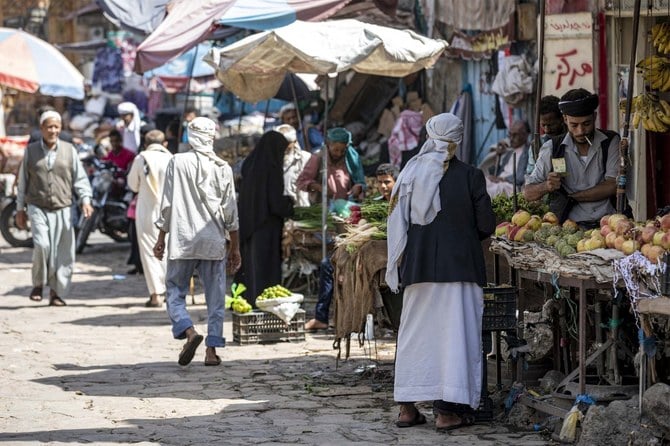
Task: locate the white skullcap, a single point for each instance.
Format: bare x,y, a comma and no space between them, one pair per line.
288,131
50,114
288,107
445,127
126,108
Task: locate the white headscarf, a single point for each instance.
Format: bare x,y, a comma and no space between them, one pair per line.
416,197
288,131
131,132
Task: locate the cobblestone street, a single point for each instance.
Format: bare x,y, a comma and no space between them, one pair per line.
103,370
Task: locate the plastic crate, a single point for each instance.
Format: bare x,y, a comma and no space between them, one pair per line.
499,309
260,326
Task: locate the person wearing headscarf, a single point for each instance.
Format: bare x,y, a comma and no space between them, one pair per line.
262,207
146,178
129,125
295,160
439,213
589,177
198,208
345,176
48,174
288,114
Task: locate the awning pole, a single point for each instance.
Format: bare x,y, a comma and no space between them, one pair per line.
623,147
540,81
324,178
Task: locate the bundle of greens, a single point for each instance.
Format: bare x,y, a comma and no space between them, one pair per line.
375,211
309,218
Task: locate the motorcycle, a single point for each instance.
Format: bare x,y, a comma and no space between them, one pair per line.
110,204
18,238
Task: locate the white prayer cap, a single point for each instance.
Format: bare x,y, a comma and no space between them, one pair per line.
50,114
445,127
288,131
126,108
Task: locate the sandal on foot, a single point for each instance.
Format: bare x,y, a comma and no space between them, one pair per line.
152,304
419,418
187,353
466,420
216,361
36,294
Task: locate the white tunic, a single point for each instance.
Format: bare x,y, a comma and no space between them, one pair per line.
197,230
439,353
294,163
146,178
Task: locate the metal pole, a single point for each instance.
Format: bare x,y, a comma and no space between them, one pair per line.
623,147
540,82
324,177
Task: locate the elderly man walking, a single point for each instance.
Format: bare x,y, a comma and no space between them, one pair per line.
146,178
198,208
439,213
50,171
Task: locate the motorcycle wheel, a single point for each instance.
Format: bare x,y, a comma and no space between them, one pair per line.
85,230
18,238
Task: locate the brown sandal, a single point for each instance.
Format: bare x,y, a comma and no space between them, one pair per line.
55,301
36,294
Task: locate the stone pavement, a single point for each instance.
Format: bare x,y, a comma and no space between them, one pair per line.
103,370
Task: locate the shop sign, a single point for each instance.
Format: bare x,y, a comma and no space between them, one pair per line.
568,53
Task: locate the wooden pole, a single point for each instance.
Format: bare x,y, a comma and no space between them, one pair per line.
540,81
324,178
623,147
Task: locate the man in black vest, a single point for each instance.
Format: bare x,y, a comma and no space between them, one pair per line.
50,171
584,174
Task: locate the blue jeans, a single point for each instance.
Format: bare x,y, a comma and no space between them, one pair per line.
212,275
325,291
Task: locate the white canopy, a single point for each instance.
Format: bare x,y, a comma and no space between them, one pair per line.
253,68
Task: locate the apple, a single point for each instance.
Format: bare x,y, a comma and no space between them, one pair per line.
519,235
597,242
604,221
655,254
658,236
534,223
511,232
647,234
550,218
623,226
665,222
614,218
629,246
502,229
665,241
570,225
520,218
645,249
609,239
618,242
604,230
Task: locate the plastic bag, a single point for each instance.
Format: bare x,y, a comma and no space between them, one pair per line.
569,429
282,307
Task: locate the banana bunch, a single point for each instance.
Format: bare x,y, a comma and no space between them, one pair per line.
660,37
656,71
652,112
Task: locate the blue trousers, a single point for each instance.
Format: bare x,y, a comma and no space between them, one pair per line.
212,275
325,291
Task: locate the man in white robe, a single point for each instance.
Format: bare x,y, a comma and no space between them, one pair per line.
439,213
146,178
198,208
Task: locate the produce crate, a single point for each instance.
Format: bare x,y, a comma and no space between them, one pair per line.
499,309
260,326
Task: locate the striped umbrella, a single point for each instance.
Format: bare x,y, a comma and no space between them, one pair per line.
30,64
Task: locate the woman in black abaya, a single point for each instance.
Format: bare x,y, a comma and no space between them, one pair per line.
262,208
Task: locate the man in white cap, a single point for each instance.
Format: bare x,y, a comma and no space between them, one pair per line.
439,213
129,125
50,171
198,209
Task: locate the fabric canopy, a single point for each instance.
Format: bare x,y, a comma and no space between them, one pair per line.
482,15
192,21
254,67
139,17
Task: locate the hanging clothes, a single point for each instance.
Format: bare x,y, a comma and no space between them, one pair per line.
108,69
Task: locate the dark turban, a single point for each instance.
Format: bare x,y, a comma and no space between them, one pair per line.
579,107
